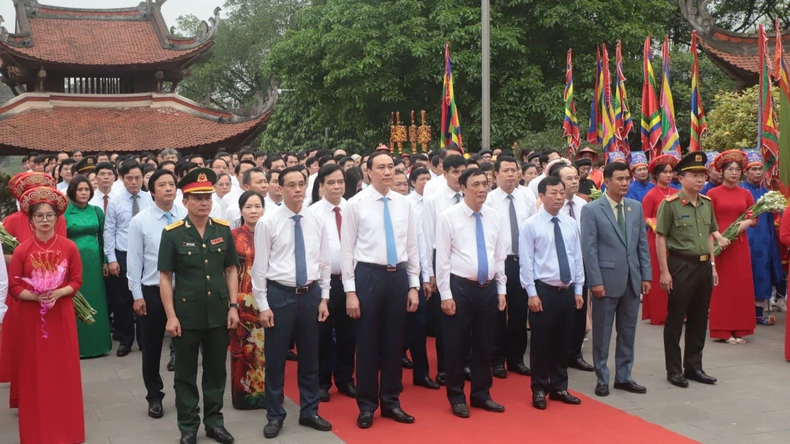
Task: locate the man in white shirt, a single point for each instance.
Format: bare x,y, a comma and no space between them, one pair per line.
380,253
551,158
513,208
274,198
470,274
120,211
434,205
66,174
437,182
573,208
232,198
253,179
336,351
290,280
552,272
142,272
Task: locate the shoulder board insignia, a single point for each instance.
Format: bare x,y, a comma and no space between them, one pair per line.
221,222
671,198
174,225
704,197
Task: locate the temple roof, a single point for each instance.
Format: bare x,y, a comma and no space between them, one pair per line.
101,37
736,54
53,122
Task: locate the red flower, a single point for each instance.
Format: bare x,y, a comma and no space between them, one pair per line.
749,214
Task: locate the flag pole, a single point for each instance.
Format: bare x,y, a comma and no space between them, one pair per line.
486,96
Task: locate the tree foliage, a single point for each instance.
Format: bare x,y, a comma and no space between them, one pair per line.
733,122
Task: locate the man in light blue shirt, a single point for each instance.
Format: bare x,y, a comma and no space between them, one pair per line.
552,272
119,214
142,272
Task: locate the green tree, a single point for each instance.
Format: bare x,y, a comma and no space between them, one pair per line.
733,122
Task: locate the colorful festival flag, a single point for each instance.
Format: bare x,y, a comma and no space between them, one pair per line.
594,131
608,142
780,68
451,125
699,124
651,115
767,134
669,131
570,127
622,113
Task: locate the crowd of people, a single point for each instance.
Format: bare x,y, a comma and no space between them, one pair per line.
347,263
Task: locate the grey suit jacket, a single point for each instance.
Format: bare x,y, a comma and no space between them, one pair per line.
610,259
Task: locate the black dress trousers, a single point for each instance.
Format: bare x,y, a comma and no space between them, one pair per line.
511,327
337,341
123,306
552,329
153,325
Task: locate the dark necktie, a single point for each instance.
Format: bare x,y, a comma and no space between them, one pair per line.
482,254
106,201
299,252
513,225
621,220
457,197
338,220
571,213
389,235
562,254
135,205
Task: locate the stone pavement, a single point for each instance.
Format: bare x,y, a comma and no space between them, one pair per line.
750,405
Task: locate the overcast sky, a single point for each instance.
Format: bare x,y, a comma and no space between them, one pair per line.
171,10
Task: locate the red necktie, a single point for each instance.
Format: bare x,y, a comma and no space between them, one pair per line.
338,220
106,200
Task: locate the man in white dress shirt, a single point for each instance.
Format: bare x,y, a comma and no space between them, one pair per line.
336,351
232,198
545,162
470,274
120,211
434,205
513,208
569,175
381,277
253,179
438,182
290,282
274,197
552,272
142,272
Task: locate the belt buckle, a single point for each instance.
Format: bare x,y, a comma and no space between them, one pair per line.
703,258
484,285
392,269
302,290
563,289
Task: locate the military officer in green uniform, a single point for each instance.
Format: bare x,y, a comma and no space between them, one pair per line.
685,230
200,253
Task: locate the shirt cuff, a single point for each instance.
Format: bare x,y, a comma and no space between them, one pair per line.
414,281
349,285
111,258
137,294
324,293
263,302
501,288
445,295
531,290
577,288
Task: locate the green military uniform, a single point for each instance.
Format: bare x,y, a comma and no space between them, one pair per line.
200,299
687,228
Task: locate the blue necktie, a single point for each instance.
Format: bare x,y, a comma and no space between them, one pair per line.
482,254
562,255
301,263
169,217
389,234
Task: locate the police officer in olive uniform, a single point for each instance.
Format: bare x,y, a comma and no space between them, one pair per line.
199,251
685,231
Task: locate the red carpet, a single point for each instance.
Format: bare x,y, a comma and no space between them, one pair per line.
591,422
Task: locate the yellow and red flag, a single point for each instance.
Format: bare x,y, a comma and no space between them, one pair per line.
622,113
651,115
699,124
669,130
767,134
451,125
780,68
570,126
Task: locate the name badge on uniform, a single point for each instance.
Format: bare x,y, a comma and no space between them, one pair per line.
216,241
685,216
189,244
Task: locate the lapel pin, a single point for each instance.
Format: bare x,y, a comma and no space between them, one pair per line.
629,208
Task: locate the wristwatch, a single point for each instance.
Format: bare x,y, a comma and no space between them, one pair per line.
712,264
415,288
234,305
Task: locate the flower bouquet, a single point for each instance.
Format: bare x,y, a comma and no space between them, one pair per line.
771,201
82,308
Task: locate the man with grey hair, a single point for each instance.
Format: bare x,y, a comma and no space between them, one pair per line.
169,154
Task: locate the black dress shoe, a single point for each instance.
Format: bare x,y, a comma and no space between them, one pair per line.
122,351
407,363
564,397
539,400
155,409
398,415
291,355
499,372
171,365
519,369
467,373
323,395
699,376
602,389
581,364
441,378
488,405
365,419
220,435
348,389
316,422
188,438
677,379
460,410
630,386
272,429
427,383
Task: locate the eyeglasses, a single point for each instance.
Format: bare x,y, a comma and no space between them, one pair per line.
38,217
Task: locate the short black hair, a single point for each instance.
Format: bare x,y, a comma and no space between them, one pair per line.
105,166
608,170
157,174
527,165
183,168
67,161
271,173
325,171
128,166
549,181
397,161
500,160
102,153
557,167
469,173
243,162
166,162
435,160
345,160
310,161
420,156
214,160
324,160
246,178
71,191
416,173
374,155
454,162
285,172
270,160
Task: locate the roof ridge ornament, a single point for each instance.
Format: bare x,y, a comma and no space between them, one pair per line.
696,12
